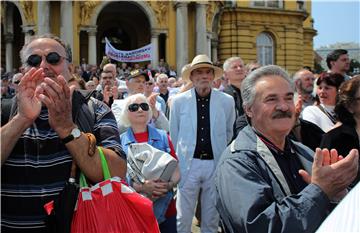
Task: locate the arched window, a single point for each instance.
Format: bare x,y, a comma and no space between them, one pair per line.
265,49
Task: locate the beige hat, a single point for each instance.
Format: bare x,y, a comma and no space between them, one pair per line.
201,61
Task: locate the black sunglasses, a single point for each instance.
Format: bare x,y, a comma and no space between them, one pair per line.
52,58
16,82
135,107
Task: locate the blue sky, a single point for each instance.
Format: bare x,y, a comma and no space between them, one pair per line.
336,21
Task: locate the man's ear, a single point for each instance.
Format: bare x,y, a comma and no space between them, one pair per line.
332,63
248,111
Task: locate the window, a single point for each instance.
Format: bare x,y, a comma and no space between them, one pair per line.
268,3
265,49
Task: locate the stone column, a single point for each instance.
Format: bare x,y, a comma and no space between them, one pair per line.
181,35
43,17
9,39
66,30
155,47
201,41
208,44
214,45
92,45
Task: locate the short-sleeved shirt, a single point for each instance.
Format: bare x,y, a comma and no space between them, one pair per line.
38,167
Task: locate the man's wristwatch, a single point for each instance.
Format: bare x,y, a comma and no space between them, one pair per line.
75,134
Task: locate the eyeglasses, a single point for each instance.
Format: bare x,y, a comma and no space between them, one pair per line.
52,58
135,107
16,82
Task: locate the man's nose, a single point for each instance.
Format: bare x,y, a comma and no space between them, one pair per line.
282,106
43,63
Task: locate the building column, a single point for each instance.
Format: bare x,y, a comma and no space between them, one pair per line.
43,17
214,45
181,35
201,40
155,47
66,30
9,39
92,45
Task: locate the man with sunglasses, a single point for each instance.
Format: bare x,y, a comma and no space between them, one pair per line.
41,140
135,83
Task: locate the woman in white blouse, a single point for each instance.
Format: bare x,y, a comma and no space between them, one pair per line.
323,115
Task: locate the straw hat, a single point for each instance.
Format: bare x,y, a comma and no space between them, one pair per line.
201,61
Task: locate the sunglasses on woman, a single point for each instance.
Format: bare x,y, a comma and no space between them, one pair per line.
52,58
135,107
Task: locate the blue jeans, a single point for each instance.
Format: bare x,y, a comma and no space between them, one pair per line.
161,205
169,226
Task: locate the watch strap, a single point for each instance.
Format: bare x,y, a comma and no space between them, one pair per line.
67,139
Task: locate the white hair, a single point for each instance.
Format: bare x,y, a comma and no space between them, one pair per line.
161,76
124,117
230,60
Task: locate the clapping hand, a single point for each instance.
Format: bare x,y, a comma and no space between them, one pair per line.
57,97
331,172
29,105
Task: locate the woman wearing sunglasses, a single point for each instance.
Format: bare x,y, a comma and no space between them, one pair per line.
136,115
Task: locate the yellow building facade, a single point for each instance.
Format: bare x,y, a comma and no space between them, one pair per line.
270,32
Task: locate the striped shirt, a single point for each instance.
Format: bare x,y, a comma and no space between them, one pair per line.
37,168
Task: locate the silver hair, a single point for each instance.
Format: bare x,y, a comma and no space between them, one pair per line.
124,117
297,75
161,76
248,91
228,62
23,55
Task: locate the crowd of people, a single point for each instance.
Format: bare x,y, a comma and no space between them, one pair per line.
257,150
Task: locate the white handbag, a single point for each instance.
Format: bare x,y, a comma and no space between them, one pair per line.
146,162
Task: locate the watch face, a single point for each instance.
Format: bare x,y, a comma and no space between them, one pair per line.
76,133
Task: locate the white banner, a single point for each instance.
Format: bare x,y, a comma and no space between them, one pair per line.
137,55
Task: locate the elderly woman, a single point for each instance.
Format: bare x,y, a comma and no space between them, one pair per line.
346,136
323,115
136,115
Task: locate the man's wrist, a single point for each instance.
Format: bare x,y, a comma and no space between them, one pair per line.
65,131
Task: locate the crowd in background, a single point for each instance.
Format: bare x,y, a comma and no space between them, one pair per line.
194,121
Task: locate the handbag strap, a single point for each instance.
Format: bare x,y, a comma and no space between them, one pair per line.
330,116
105,169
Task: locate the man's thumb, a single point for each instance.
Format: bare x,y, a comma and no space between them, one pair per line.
305,175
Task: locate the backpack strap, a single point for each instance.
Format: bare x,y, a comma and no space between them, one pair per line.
83,114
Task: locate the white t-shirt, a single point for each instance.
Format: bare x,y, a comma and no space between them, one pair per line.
318,117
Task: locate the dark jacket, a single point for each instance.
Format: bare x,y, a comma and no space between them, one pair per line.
252,194
240,120
343,139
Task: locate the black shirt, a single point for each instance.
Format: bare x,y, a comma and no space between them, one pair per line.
288,162
165,96
203,138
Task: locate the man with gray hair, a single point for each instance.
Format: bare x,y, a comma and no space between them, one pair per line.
235,73
304,84
262,179
46,134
